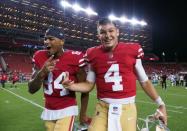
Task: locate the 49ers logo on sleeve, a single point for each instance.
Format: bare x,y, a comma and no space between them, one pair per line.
76,52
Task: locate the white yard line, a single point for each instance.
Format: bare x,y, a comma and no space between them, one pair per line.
171,94
175,94
141,101
37,105
175,111
177,107
25,99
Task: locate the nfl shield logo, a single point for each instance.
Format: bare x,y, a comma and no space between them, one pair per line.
115,109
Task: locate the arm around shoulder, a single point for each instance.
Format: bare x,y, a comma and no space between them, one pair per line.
79,87
84,87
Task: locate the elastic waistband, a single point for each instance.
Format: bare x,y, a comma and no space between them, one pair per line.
123,101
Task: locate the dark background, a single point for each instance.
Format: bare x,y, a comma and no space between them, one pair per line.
167,18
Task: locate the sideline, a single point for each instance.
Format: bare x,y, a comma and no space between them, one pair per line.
23,98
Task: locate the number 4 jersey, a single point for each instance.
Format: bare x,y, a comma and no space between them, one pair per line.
115,71
59,102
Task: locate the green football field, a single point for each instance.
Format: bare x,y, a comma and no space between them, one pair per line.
20,111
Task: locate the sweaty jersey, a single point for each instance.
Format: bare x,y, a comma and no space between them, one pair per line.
56,96
115,71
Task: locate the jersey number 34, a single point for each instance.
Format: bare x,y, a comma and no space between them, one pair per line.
57,84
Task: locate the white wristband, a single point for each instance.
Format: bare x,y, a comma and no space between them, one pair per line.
159,112
159,101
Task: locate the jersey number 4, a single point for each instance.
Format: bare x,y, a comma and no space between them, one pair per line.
57,84
112,75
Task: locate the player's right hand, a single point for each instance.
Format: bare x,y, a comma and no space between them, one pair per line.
67,82
85,120
49,65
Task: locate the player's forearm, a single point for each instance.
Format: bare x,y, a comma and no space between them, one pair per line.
82,87
84,103
149,89
35,84
151,92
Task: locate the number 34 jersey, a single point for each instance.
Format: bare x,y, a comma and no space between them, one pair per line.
56,96
115,71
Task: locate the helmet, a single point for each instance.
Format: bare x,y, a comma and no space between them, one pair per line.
151,123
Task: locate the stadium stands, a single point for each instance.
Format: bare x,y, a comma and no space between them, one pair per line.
27,20
166,68
18,62
24,22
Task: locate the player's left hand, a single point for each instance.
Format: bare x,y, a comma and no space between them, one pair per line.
161,114
85,120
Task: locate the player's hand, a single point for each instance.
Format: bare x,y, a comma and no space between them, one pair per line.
161,114
49,65
67,82
85,120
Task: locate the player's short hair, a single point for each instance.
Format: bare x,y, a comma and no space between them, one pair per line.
54,31
105,21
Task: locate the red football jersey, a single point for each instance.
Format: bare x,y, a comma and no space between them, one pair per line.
56,96
4,77
15,77
115,72
0,77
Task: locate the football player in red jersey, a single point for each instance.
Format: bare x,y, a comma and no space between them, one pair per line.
3,79
51,66
114,67
15,78
0,77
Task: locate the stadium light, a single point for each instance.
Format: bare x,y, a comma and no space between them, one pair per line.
112,17
77,7
123,19
89,11
143,23
134,21
65,4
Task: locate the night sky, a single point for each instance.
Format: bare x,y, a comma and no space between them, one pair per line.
168,20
